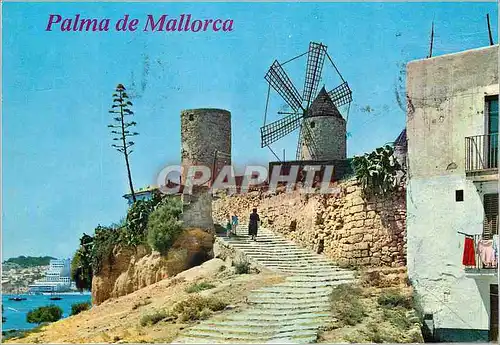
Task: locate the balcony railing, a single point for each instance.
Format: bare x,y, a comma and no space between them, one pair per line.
481,152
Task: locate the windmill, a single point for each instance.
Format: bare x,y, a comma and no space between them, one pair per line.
322,128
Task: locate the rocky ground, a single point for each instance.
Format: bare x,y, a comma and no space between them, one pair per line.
381,308
119,319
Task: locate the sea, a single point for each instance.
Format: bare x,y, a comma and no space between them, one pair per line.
16,312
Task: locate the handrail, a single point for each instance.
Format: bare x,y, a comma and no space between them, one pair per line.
481,152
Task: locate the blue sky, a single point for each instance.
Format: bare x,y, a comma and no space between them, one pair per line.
60,175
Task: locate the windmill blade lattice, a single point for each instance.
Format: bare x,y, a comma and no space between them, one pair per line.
315,60
278,129
341,95
279,81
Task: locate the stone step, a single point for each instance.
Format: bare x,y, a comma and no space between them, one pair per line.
292,294
266,323
316,276
283,340
253,337
261,246
291,266
299,286
232,329
287,299
275,306
290,253
263,241
261,238
299,269
292,317
305,285
298,260
328,277
281,312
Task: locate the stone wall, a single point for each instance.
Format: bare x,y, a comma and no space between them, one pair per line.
346,227
197,210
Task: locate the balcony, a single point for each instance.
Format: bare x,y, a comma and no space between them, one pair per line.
481,155
477,268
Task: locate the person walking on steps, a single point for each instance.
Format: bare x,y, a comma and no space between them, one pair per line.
234,220
253,224
228,226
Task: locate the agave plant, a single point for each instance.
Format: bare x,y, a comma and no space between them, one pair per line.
376,171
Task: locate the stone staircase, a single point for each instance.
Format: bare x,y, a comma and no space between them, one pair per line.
289,312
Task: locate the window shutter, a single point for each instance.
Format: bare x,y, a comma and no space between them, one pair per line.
490,226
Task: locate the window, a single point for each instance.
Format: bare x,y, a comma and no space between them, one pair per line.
492,114
312,124
490,226
492,126
459,195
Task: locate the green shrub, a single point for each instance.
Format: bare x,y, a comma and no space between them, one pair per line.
377,171
242,267
163,228
346,306
104,241
196,307
49,313
77,308
197,287
81,264
393,299
154,318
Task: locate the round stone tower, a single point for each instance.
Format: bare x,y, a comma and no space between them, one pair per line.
324,129
205,140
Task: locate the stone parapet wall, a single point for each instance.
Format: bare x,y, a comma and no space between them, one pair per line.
348,228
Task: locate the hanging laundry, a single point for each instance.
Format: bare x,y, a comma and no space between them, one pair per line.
486,253
469,258
495,246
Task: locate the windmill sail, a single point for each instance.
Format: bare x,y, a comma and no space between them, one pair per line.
314,144
315,61
278,129
279,81
341,95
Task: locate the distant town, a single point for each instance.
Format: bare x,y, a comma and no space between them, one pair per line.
36,275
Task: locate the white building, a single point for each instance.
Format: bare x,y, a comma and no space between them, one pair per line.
452,131
57,278
145,193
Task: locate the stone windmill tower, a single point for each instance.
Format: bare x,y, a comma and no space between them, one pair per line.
322,127
205,141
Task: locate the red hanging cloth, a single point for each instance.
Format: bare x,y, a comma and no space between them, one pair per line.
469,258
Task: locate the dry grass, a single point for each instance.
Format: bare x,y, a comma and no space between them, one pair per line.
381,309
196,308
346,304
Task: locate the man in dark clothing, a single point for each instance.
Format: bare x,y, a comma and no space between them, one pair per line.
253,224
